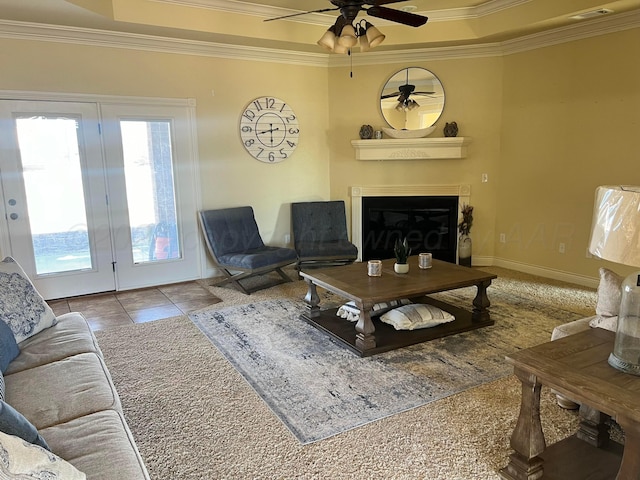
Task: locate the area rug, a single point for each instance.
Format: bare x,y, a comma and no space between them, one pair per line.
319,389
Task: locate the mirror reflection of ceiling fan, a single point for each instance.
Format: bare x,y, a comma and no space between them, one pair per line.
403,93
350,9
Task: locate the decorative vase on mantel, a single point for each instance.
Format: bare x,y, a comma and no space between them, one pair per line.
464,250
464,240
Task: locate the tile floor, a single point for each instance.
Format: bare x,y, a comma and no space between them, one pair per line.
114,309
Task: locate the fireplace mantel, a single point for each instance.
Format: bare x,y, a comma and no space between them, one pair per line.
462,191
411,148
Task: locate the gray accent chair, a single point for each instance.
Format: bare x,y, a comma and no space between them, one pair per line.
320,234
235,245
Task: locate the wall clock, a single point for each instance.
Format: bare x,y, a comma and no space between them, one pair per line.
269,129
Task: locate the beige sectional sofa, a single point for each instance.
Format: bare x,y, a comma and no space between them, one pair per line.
60,383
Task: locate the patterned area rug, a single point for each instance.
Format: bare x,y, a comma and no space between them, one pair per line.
318,388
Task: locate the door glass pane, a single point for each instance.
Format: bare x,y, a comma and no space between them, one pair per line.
52,175
148,166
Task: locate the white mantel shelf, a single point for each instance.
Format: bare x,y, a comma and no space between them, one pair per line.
411,148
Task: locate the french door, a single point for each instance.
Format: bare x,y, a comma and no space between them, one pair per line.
98,197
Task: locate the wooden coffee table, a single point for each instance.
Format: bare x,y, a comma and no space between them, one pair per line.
576,366
369,337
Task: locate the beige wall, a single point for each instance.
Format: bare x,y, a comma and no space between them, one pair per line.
473,92
571,122
547,126
229,176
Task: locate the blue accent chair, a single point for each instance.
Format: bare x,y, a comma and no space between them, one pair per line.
235,245
320,234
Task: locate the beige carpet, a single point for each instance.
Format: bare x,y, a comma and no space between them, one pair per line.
194,416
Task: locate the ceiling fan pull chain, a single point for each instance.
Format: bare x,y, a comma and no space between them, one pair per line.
350,63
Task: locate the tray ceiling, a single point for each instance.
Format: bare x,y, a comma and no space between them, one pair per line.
241,22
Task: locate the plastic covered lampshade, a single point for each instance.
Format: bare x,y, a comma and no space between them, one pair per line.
615,236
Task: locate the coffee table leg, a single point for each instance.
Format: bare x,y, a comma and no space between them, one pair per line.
630,466
481,303
527,439
365,330
312,300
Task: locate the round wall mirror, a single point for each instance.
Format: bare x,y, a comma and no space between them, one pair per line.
412,99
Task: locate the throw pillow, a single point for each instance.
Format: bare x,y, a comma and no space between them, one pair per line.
13,422
21,306
416,315
350,312
8,346
20,459
608,300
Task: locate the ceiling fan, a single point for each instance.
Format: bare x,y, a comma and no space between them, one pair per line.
350,9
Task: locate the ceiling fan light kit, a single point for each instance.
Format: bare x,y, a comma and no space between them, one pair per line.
348,36
343,34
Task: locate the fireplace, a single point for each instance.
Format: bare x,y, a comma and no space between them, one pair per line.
427,215
428,223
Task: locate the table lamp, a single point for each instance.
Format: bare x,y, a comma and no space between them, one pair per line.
615,236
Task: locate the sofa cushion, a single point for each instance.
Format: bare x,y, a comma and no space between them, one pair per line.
8,346
608,303
21,306
13,422
70,336
571,328
416,315
106,451
20,459
79,385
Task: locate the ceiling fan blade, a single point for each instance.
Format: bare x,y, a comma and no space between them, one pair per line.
398,16
302,13
383,2
390,95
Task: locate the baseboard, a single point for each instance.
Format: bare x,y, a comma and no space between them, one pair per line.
568,277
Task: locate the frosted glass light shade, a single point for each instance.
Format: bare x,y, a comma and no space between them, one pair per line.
374,36
328,40
348,36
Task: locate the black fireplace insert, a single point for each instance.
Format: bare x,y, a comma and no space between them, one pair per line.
429,223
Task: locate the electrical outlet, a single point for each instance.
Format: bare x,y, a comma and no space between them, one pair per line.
503,238
485,177
561,248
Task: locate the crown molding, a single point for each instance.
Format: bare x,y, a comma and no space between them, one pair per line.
593,28
579,31
258,10
133,41
110,39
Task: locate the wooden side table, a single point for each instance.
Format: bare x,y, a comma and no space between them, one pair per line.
576,367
